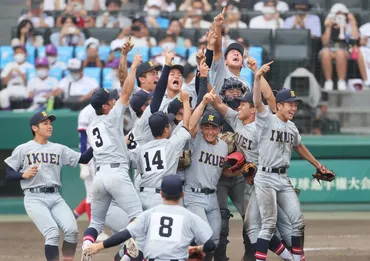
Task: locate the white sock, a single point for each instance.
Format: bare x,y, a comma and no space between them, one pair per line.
125,258
286,255
297,257
86,243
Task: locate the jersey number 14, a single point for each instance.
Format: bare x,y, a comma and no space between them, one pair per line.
154,160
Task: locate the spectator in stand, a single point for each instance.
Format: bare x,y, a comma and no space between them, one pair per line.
76,9
169,43
340,32
92,53
270,18
41,86
37,16
112,18
27,35
114,74
115,51
76,86
232,20
303,19
175,28
54,5
202,47
363,59
188,5
69,34
154,18
281,6
166,6
139,34
194,17
51,53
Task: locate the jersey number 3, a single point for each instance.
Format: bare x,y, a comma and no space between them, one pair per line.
98,137
99,140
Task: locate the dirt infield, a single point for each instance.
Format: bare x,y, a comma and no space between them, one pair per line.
339,240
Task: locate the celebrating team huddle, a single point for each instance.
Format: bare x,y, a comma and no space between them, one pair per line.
171,212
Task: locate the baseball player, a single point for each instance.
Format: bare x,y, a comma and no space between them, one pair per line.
37,164
105,135
278,135
201,178
169,228
160,157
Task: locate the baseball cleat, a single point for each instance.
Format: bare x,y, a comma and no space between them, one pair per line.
131,248
86,256
102,236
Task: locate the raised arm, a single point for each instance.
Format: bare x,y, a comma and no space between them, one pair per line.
220,106
212,38
122,69
218,22
197,114
187,110
161,86
129,84
203,81
257,100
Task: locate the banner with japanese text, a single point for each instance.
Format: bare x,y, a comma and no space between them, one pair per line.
352,183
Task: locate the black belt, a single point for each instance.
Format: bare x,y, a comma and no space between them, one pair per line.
280,170
44,190
203,190
152,259
157,190
112,165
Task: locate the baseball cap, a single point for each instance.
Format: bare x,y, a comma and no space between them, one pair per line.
116,44
159,120
20,46
175,106
101,96
146,67
41,116
171,185
154,3
91,42
74,64
41,61
212,117
139,98
178,67
51,49
235,46
246,97
286,95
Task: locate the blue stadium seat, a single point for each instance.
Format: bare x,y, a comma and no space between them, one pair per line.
80,52
30,54
107,78
192,50
31,73
93,73
155,50
64,53
104,52
181,51
256,53
144,51
247,74
53,72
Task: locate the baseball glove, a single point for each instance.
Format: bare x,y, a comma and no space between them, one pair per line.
249,170
234,161
184,160
195,255
325,174
228,137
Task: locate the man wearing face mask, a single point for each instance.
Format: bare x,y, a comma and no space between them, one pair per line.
270,18
154,18
42,85
194,18
76,87
112,18
281,6
304,20
51,53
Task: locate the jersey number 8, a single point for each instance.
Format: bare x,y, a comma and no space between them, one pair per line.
165,230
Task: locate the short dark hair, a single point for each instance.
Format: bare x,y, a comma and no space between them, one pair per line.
74,20
172,197
33,133
159,131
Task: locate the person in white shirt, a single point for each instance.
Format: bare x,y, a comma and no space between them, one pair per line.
281,6
232,20
270,18
42,85
76,84
37,16
51,53
363,58
194,17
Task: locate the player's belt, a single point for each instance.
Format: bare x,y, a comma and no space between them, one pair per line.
155,190
112,165
281,170
203,190
43,190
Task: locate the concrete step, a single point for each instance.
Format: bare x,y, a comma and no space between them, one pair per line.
349,99
355,130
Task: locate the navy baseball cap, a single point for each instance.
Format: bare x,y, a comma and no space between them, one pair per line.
159,120
139,98
101,96
212,117
178,67
41,116
246,97
146,67
175,106
286,95
235,46
171,185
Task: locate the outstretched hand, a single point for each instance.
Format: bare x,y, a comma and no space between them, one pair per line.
263,70
127,46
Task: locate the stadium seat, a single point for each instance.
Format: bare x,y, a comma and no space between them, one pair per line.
80,52
7,55
105,35
320,5
256,53
93,72
155,50
182,51
107,78
258,37
190,34
144,51
64,53
104,52
53,72
31,73
247,74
